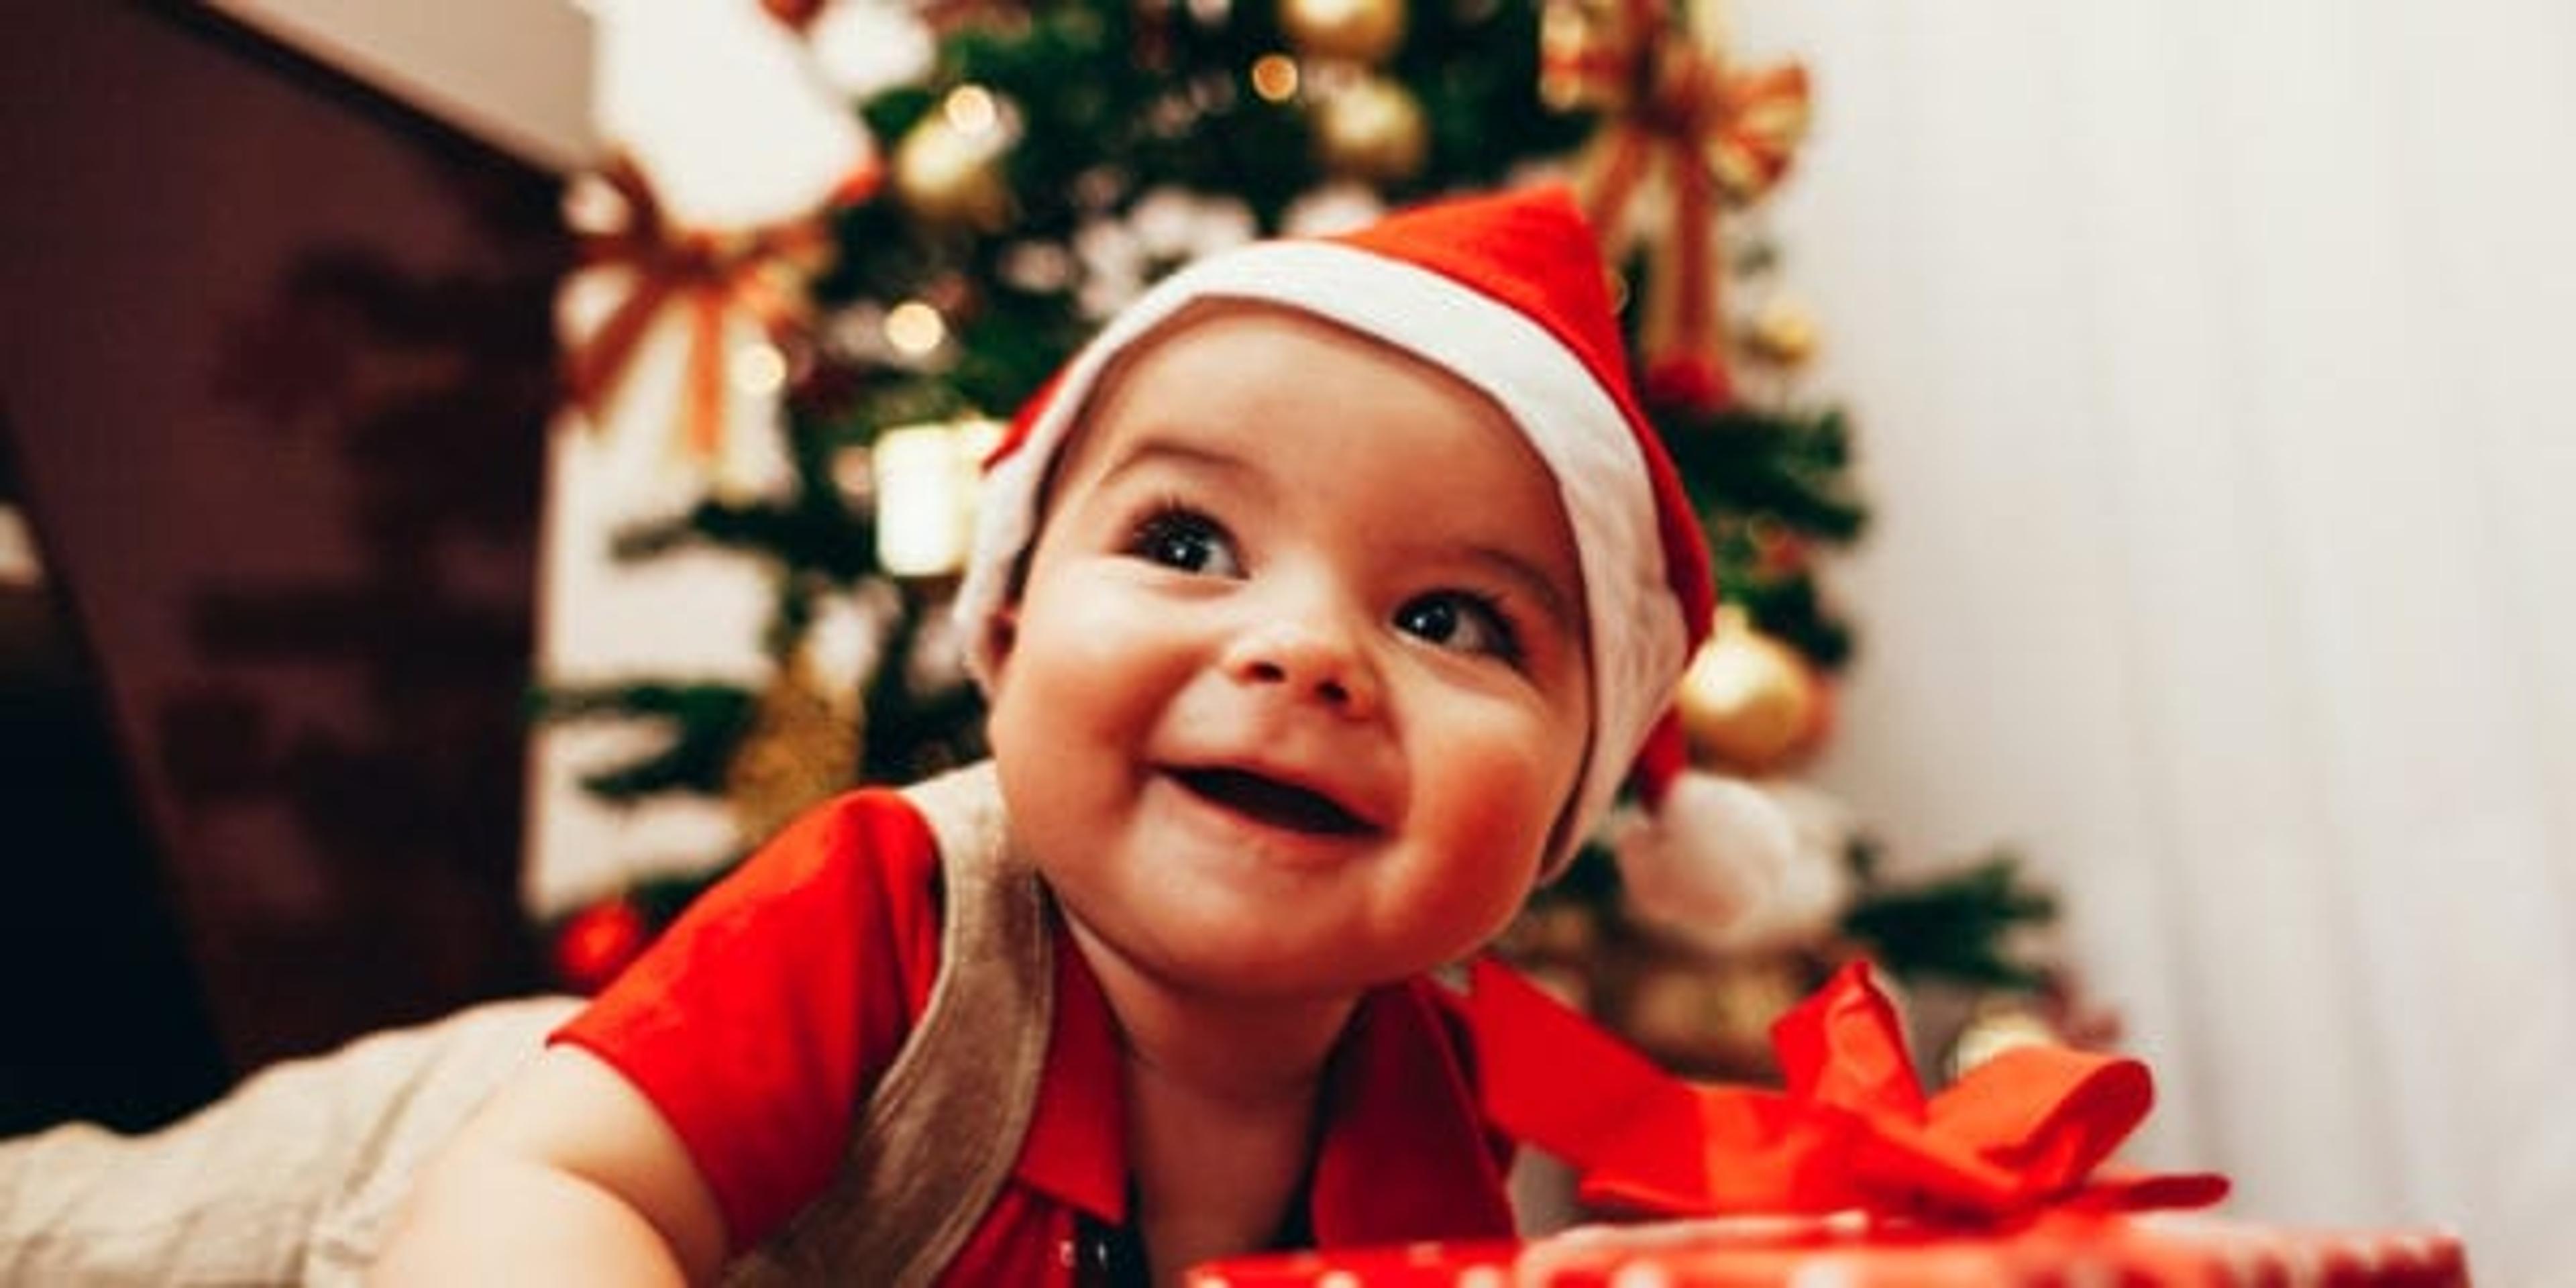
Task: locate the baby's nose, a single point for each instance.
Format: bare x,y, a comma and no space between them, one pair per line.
1308,660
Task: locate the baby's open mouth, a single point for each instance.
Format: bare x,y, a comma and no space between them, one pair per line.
1271,801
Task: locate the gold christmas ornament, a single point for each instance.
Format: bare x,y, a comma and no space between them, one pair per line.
1749,702
948,170
1561,932
1783,334
1363,31
1997,1027
803,746
1275,77
1373,130
1708,1016
1585,56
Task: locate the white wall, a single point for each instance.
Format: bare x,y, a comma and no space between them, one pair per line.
513,72
2211,367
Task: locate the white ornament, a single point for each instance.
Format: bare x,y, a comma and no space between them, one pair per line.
723,110
1113,267
1168,228
1175,225
866,47
1335,207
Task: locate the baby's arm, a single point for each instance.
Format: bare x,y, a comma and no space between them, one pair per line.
568,1176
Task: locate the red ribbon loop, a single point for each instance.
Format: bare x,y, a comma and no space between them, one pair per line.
2024,1131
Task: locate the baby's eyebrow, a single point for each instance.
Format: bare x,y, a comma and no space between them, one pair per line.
1151,452
1543,590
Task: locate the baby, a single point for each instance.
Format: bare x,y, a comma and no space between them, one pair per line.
1322,602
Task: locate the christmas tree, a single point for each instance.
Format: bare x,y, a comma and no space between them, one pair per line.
1038,168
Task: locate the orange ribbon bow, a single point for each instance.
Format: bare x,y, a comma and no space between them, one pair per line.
2024,1131
759,271
1718,135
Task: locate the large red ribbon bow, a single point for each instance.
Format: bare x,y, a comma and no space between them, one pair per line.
2024,1131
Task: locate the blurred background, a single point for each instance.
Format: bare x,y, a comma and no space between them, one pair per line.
395,611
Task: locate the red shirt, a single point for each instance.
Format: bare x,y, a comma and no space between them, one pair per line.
761,1020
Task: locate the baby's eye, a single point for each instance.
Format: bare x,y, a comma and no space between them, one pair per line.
1179,537
1462,620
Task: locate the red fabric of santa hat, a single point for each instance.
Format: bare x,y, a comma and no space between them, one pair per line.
1507,293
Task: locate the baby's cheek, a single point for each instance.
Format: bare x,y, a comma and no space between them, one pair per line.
1529,779
1104,653
1518,786
1102,645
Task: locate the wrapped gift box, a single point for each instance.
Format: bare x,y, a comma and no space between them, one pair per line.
1997,1181
2059,1250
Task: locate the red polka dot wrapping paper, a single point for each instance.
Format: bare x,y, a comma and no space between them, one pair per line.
2062,1250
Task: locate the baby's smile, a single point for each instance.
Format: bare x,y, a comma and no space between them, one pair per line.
1272,801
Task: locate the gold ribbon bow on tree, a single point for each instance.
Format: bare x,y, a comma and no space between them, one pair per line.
1718,136
759,272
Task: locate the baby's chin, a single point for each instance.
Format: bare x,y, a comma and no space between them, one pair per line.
1256,970
1212,926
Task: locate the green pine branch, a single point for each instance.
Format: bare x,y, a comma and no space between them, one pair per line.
1792,467
1957,926
706,722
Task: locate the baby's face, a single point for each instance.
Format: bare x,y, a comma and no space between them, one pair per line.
1298,681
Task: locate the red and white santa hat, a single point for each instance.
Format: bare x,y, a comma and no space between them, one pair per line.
1507,293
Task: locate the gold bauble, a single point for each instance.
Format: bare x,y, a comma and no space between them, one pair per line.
1995,1028
1372,130
1363,31
1783,334
950,175
1551,932
1708,1017
1748,702
801,749
1575,39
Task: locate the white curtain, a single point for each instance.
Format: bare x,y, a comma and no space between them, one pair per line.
2212,367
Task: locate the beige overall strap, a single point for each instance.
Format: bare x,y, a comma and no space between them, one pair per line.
939,1137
